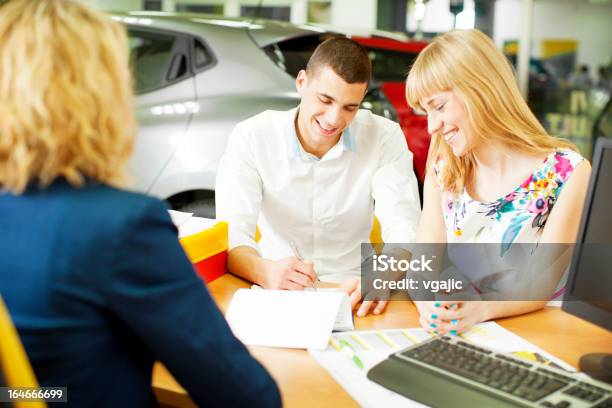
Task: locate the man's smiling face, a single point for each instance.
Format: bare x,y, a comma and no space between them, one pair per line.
327,107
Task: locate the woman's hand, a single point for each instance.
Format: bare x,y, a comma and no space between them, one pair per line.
353,289
451,317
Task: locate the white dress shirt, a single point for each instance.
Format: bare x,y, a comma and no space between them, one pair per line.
325,206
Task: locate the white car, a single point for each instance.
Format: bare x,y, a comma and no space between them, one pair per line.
197,76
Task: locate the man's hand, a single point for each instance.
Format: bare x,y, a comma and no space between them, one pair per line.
288,273
353,289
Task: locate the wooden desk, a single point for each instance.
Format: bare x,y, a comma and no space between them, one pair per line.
303,383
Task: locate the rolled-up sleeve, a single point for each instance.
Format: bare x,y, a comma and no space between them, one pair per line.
395,190
238,190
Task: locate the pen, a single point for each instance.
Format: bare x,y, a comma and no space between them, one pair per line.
346,347
299,256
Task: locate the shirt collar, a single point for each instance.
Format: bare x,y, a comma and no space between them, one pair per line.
295,149
293,146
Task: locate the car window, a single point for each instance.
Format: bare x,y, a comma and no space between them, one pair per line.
390,66
150,56
292,55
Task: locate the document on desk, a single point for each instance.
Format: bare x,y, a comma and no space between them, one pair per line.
188,225
344,319
179,217
373,346
282,318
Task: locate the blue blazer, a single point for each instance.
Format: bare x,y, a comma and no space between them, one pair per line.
99,288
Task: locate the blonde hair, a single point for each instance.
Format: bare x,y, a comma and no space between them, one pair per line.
66,103
468,63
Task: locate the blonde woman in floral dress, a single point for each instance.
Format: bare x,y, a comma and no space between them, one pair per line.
494,174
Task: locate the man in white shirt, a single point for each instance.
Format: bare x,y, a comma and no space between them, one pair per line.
313,178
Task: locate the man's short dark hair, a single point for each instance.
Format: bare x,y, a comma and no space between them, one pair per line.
348,59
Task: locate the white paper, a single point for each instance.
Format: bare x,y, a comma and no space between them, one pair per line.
282,318
179,217
194,225
353,379
373,346
344,319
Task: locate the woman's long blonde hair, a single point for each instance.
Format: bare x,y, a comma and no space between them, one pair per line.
66,103
468,63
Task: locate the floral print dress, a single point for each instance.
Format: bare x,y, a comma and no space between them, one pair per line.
519,216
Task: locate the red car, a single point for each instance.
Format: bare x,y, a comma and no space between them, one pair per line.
391,61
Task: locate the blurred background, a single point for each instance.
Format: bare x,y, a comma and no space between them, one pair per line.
201,66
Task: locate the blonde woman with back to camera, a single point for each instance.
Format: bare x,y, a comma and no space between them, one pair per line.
494,175
93,276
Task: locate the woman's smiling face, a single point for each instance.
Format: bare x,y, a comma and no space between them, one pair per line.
447,115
